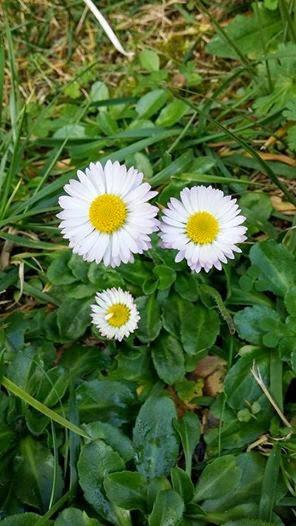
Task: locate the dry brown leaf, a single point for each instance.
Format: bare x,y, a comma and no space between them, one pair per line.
282,206
214,383
209,365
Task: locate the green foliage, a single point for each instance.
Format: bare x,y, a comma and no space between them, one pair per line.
168,427
75,517
95,462
167,510
246,32
155,441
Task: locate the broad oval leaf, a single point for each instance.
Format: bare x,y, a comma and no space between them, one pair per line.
150,322
189,430
95,462
127,490
151,103
112,436
199,328
155,440
75,517
110,400
73,318
167,510
218,478
240,386
34,470
277,266
168,359
172,113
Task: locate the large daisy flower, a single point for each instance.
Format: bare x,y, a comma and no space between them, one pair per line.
106,215
115,313
204,226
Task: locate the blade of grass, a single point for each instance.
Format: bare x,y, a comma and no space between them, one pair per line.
25,242
225,36
13,75
41,296
287,20
269,484
257,10
266,168
46,411
6,181
219,179
2,64
174,168
55,466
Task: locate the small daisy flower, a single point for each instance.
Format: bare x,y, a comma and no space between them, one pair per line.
106,215
204,226
115,313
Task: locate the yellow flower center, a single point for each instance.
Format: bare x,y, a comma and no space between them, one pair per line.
107,213
202,228
118,314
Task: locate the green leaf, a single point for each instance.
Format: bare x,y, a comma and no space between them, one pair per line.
26,519
182,484
246,32
155,441
247,489
143,164
99,91
166,276
95,462
151,103
218,478
254,322
269,484
34,474
72,90
149,60
8,278
195,335
271,4
240,386
127,490
70,131
168,359
173,311
78,267
257,207
73,318
281,71
112,436
53,386
167,510
248,522
75,517
111,400
150,322
189,431
291,137
186,286
290,301
136,273
277,266
172,113
58,271
7,438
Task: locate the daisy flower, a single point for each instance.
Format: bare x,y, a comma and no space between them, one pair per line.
106,215
115,314
204,226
